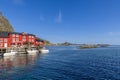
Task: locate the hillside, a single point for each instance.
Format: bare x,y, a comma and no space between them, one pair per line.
65,44
5,25
47,43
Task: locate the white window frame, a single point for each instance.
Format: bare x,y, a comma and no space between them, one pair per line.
1,45
17,35
30,36
13,35
1,40
24,39
17,39
32,40
13,40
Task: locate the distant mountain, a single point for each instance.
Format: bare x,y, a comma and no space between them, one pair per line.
65,44
5,25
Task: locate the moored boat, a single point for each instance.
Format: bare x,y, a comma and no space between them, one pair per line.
44,50
10,53
32,50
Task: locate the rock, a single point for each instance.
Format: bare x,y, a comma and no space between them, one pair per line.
5,25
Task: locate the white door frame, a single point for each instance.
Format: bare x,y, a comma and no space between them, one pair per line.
5,45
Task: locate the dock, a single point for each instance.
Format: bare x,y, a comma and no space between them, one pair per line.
19,50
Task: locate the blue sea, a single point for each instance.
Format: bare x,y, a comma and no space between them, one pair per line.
64,63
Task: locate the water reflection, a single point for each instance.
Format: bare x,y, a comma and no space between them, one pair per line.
17,61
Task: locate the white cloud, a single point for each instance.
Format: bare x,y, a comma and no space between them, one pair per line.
59,17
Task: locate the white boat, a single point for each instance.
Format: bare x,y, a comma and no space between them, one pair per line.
32,51
10,53
44,50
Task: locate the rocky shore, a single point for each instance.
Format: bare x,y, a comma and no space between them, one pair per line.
86,46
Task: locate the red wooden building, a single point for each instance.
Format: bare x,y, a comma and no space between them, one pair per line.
7,39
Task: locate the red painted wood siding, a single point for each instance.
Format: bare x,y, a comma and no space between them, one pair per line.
19,37
4,41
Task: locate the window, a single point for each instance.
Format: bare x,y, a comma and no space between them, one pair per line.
29,40
32,36
0,44
17,39
13,39
24,37
29,36
32,40
1,40
5,40
13,35
17,35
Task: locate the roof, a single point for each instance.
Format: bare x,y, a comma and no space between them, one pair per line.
31,34
39,40
6,34
21,33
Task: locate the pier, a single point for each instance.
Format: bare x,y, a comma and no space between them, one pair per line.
19,50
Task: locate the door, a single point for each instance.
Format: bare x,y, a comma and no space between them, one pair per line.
5,45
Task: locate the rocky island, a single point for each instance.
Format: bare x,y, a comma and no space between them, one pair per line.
86,46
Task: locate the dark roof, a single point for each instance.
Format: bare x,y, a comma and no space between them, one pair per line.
31,34
6,34
14,33
21,33
39,40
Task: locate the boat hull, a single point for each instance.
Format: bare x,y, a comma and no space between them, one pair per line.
32,51
44,51
10,54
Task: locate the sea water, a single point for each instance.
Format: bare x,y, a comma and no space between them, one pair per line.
63,63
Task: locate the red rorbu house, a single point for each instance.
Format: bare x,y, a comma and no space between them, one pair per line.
40,43
7,39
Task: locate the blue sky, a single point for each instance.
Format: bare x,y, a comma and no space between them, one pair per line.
77,21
